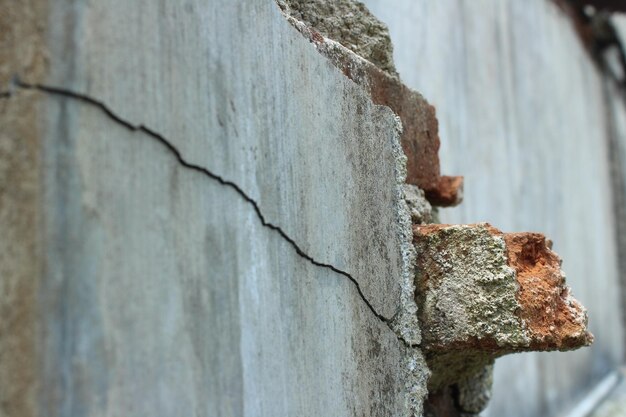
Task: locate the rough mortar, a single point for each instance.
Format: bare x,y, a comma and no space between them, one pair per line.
421,210
463,273
348,22
474,392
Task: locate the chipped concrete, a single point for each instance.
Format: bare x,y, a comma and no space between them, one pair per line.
420,138
466,289
348,22
482,294
213,235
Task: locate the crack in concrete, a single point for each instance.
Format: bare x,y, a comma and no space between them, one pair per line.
62,92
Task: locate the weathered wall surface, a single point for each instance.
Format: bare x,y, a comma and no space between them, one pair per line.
523,116
21,49
161,291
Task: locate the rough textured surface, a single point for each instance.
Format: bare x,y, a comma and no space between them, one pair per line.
349,23
474,392
419,207
522,115
553,318
21,50
482,293
466,290
157,277
477,286
420,138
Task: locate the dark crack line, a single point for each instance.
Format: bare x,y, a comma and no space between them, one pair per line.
57,91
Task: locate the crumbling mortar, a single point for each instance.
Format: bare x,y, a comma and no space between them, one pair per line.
348,22
17,83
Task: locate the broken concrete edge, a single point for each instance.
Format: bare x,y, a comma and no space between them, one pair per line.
350,23
416,381
420,128
540,312
405,321
482,294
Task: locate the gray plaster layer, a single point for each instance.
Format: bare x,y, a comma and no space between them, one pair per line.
165,296
522,116
240,91
162,294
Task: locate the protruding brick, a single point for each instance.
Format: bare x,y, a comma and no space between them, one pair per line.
483,293
553,318
447,192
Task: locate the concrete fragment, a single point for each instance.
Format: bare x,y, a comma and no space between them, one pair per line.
500,291
482,293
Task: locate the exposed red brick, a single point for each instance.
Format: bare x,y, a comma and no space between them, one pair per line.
420,136
420,129
554,319
550,317
447,192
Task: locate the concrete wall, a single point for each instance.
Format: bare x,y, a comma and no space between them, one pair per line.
523,115
204,217
228,241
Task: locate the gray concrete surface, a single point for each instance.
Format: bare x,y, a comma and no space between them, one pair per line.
165,296
161,293
522,116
